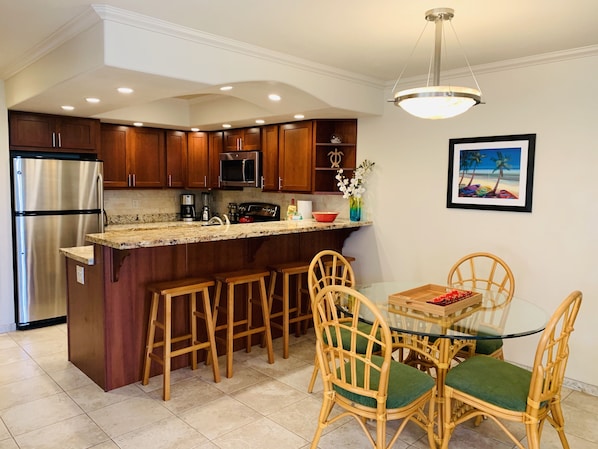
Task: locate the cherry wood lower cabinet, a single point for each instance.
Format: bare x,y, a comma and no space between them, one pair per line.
107,315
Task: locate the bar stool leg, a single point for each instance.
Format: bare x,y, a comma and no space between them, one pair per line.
207,316
230,319
249,321
151,332
266,318
285,315
167,346
193,327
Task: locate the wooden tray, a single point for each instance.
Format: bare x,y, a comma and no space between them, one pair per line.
417,298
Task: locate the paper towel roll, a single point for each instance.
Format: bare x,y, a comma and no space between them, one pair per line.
304,208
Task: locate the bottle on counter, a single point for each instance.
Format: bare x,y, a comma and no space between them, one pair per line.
291,210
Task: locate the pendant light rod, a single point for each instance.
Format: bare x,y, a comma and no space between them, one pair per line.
437,101
438,16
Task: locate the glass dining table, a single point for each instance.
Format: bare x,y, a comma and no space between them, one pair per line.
434,338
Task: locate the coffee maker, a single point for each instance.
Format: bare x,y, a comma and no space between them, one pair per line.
187,207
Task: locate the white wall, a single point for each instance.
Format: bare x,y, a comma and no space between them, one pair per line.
415,237
7,313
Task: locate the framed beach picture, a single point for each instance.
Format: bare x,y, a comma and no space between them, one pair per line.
491,173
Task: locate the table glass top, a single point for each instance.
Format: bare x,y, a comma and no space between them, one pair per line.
491,318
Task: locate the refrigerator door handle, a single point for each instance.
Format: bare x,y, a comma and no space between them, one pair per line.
100,187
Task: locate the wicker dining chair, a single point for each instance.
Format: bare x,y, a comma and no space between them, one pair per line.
484,271
366,385
485,386
328,267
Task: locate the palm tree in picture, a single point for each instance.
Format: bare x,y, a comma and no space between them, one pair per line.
475,159
502,164
464,164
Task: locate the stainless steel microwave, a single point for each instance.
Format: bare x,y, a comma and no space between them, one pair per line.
241,169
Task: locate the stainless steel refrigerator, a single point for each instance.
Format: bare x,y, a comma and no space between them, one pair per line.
57,199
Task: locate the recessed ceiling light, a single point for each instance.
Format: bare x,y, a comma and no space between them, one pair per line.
125,90
138,123
194,129
259,121
225,88
67,107
226,125
274,97
299,116
92,100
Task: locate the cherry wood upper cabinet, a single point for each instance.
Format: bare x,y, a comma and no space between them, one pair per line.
215,146
176,158
44,132
148,158
270,158
197,160
133,157
335,146
114,154
243,139
295,156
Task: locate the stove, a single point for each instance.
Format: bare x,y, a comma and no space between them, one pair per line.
258,212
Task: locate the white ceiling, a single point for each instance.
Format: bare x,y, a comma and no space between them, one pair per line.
372,40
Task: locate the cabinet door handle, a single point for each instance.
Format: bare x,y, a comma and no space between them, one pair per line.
129,180
169,180
134,180
205,180
262,182
59,141
279,183
53,140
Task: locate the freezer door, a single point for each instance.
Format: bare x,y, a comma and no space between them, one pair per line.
40,268
42,184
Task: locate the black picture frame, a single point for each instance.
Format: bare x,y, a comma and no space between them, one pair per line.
491,173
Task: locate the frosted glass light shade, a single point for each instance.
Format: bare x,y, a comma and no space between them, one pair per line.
437,102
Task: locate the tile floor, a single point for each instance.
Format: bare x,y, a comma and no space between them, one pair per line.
47,403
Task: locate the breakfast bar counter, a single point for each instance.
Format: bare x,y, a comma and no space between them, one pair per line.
108,304
176,233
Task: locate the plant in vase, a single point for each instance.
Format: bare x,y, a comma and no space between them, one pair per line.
353,188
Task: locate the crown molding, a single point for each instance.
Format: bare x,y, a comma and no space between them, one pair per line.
113,14
62,35
508,64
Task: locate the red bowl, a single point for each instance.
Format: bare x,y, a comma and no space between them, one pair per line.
325,217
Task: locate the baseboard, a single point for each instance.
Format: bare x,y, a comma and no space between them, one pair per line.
7,328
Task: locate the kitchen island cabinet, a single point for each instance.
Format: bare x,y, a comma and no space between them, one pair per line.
108,304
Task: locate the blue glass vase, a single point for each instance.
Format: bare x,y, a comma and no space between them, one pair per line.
355,209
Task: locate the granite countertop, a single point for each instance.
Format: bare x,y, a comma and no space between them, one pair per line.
180,233
83,254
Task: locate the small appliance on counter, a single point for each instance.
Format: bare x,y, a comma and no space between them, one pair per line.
233,212
206,210
187,207
258,212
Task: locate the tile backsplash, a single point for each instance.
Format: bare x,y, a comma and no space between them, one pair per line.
158,205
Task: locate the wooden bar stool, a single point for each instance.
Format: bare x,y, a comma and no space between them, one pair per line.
169,290
233,279
328,264
291,304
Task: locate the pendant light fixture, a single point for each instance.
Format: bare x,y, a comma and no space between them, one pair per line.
437,101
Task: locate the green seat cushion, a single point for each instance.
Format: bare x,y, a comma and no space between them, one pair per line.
405,384
487,347
361,342
492,380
